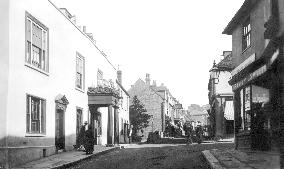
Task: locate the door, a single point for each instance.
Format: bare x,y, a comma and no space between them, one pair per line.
97,128
59,130
79,123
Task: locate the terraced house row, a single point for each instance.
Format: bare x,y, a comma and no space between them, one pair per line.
53,77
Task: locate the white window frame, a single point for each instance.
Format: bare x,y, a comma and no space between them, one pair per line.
42,112
29,57
246,34
81,58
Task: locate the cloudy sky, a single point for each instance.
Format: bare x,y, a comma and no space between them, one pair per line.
175,41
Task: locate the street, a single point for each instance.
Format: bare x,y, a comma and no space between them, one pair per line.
171,156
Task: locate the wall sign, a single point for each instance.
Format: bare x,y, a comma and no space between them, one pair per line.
250,77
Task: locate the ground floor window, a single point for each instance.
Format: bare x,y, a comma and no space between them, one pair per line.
35,117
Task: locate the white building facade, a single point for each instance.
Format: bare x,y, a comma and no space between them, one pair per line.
47,65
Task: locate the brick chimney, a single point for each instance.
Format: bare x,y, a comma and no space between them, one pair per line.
147,79
119,76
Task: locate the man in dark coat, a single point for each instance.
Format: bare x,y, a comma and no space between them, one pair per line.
89,140
81,136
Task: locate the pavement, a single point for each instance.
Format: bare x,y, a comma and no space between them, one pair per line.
231,158
66,159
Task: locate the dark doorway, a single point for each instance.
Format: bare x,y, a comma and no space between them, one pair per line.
79,124
59,129
96,122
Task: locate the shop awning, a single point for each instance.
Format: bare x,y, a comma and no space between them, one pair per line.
229,110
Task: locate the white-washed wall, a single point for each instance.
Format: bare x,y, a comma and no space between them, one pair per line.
64,41
223,85
4,68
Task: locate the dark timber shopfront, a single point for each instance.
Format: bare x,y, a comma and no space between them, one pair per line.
258,100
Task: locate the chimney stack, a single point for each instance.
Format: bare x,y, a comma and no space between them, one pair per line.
148,79
119,76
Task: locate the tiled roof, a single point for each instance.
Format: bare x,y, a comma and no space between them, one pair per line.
226,63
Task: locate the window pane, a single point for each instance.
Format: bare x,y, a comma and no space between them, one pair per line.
36,45
35,111
28,41
36,56
242,107
28,50
37,36
79,72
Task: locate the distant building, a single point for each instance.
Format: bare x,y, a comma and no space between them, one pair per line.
221,113
158,101
257,31
198,116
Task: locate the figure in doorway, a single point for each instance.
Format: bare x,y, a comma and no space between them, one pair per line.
130,133
81,136
89,140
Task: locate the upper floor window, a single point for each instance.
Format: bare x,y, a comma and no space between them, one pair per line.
36,44
35,123
246,34
80,71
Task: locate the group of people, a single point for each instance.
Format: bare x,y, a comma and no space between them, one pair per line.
190,133
86,138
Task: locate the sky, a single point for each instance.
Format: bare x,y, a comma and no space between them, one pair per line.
175,41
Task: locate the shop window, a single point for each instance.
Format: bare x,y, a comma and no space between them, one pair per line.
36,44
247,108
249,96
35,118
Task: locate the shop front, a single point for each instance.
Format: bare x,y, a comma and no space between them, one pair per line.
258,100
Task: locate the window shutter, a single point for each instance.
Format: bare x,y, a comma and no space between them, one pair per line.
43,116
28,114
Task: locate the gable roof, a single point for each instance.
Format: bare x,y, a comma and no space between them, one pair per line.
237,19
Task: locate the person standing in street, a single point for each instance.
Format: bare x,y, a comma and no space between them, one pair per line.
130,133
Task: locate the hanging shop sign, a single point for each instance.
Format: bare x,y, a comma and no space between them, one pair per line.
243,65
250,77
